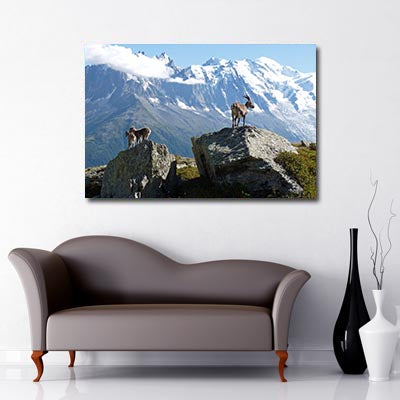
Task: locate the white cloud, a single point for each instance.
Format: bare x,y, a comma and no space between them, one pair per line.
188,81
123,59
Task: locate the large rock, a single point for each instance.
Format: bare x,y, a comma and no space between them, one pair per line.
94,180
148,170
245,157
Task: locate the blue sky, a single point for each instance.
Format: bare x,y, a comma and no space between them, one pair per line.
299,56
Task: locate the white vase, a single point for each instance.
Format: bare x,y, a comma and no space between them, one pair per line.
379,339
396,358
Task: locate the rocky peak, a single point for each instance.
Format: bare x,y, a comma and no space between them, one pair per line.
245,156
163,56
147,171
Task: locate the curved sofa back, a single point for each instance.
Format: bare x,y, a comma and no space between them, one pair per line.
113,270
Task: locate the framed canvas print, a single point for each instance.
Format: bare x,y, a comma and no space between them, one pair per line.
200,121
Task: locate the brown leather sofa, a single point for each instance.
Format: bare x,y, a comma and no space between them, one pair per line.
110,293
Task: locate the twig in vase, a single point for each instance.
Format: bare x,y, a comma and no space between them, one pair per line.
374,254
378,242
384,255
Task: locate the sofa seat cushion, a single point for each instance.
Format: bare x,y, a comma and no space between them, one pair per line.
160,327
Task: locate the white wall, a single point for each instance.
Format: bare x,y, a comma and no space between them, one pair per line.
42,144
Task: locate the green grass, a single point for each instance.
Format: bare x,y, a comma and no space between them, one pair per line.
187,170
302,167
187,173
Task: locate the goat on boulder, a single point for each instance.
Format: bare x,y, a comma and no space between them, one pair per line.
136,136
239,111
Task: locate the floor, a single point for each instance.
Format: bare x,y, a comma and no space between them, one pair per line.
190,383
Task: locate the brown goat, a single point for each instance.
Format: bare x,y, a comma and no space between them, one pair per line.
131,139
240,110
136,136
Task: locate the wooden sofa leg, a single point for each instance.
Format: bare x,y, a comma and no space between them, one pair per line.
283,356
37,359
72,358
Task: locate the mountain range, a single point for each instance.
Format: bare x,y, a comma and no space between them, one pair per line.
193,100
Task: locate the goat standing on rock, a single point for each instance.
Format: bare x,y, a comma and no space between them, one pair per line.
136,136
240,110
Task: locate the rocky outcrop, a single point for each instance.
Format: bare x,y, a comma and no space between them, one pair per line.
148,170
93,180
245,157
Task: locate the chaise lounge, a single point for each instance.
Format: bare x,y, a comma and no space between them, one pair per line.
110,293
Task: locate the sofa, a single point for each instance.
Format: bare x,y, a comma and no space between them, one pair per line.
110,293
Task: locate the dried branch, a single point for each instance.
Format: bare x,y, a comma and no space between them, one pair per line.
381,267
384,255
374,254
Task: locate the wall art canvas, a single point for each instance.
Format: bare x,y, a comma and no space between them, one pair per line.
200,121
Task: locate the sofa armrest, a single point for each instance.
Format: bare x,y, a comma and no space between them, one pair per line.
47,288
284,299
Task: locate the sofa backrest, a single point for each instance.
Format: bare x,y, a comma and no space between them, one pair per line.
113,270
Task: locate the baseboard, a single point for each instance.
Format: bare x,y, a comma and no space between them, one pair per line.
173,358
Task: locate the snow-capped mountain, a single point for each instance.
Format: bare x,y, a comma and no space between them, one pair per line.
182,102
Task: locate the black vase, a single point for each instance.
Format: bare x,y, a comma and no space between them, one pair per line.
353,315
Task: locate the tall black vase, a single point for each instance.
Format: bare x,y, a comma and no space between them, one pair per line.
353,315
